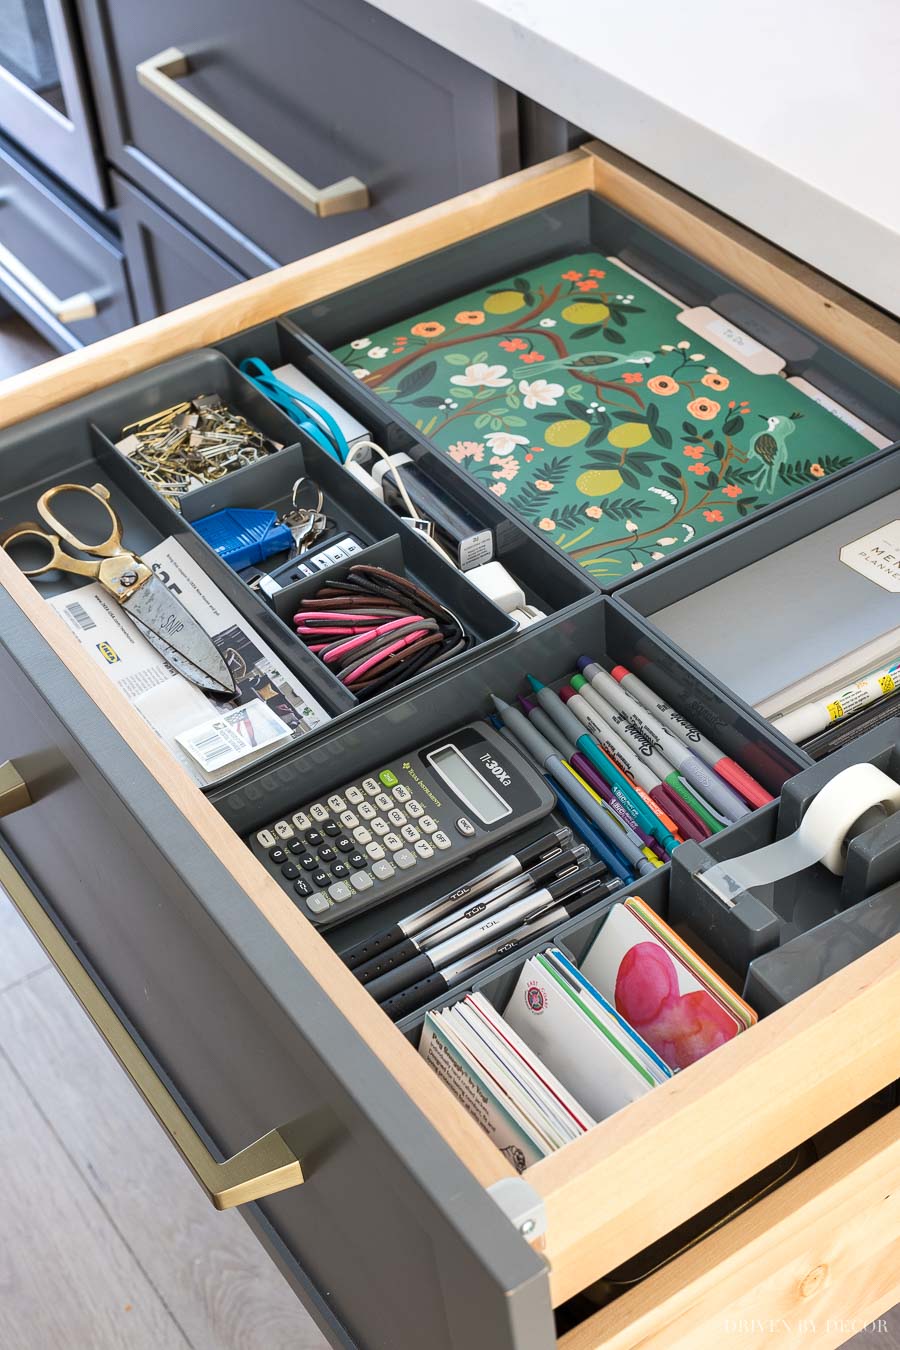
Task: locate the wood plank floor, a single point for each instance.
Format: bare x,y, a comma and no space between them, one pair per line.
107,1241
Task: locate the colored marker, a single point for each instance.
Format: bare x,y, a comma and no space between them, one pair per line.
566,749
578,821
542,752
727,768
586,771
651,755
698,774
570,726
630,761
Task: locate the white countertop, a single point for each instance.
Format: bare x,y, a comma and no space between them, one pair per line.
784,114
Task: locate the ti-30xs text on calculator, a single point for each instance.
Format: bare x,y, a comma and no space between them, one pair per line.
407,820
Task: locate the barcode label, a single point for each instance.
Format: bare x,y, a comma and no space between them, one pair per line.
234,735
80,617
213,748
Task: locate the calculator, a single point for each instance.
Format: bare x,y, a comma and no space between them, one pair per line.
406,821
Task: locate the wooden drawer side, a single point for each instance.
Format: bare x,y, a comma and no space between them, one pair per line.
812,1264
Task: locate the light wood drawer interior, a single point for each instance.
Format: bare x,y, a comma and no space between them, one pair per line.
725,1118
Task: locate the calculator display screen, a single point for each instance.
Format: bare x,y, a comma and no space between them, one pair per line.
468,784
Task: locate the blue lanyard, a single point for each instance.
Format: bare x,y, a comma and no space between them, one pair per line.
310,416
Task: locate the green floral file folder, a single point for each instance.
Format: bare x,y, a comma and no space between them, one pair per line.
574,393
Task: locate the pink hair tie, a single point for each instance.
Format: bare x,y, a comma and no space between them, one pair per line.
344,647
382,654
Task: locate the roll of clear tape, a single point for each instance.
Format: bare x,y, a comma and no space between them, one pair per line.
855,800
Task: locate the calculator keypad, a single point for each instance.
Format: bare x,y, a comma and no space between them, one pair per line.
344,846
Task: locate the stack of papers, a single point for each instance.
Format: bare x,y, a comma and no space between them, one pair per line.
209,737
668,994
580,1036
575,1045
522,1106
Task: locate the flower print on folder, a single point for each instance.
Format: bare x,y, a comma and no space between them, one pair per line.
586,360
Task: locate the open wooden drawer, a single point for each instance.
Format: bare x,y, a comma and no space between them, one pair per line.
405,1229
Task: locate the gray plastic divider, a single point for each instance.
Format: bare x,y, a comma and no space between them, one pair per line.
548,580
689,597
582,222
816,923
598,627
409,556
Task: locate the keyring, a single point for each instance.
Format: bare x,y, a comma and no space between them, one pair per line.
295,493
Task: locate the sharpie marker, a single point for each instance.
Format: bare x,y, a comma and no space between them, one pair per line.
567,750
569,724
648,748
727,768
589,775
590,708
661,796
689,765
562,864
481,930
507,869
542,752
584,828
458,972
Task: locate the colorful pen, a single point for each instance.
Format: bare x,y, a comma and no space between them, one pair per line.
586,771
542,752
589,708
650,752
567,750
727,768
661,797
570,726
587,831
692,768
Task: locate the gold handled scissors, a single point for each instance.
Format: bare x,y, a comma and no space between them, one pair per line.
161,618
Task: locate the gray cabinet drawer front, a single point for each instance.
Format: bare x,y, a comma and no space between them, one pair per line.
66,250
167,264
332,88
392,1239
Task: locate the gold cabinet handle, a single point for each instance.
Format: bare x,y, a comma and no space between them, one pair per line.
14,792
70,309
160,74
269,1165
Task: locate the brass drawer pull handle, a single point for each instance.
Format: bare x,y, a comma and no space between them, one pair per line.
263,1168
14,792
71,308
160,74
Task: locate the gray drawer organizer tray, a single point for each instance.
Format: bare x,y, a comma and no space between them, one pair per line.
548,581
580,223
704,606
776,943
598,626
75,444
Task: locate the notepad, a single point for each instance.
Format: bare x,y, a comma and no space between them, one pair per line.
520,1104
662,987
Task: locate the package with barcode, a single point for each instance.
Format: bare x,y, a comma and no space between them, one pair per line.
270,699
235,735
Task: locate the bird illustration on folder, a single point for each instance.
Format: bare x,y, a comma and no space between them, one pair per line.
580,394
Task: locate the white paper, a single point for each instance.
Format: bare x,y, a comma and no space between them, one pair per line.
876,556
591,1064
167,701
